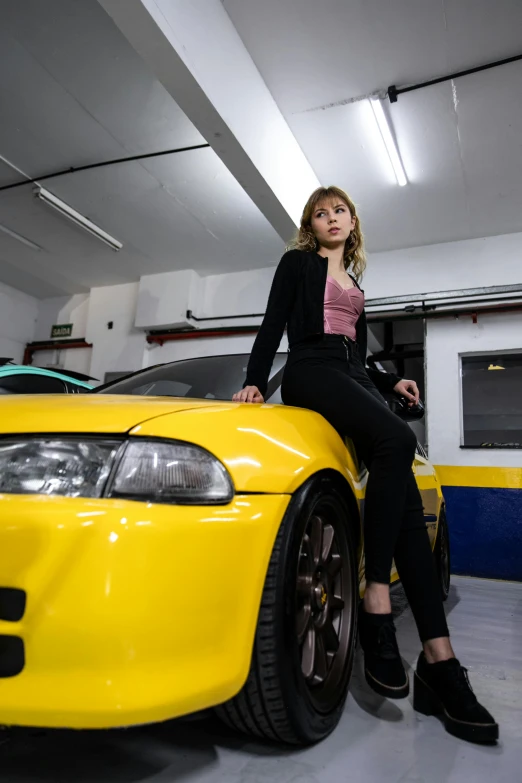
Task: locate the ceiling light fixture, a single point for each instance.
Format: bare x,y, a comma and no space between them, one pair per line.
68,212
389,141
20,238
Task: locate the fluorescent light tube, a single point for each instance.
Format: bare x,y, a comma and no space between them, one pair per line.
20,238
68,212
389,142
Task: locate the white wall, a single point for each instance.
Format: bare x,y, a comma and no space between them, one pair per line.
236,293
446,339
123,347
468,264
163,299
63,310
18,314
228,294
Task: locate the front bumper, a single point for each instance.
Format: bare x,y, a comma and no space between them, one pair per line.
135,612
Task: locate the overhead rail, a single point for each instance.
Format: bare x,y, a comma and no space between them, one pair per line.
394,92
100,164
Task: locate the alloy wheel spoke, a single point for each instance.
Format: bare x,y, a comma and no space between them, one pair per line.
306,563
331,640
324,602
304,614
308,655
306,556
335,565
321,660
328,538
304,585
316,537
336,602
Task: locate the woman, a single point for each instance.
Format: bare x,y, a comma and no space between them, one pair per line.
322,307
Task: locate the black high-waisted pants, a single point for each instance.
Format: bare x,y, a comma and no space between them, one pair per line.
326,375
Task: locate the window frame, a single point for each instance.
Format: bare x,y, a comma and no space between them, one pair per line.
480,354
23,375
280,360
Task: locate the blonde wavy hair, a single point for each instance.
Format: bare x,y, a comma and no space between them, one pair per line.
354,255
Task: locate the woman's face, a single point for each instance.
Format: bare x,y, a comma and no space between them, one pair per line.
332,223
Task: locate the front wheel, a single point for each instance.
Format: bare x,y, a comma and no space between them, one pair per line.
305,638
442,554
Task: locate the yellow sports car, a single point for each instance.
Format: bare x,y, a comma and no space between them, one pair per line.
162,553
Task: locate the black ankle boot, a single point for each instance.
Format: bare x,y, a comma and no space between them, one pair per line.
382,662
443,689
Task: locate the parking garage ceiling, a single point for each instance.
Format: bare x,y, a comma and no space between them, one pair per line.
74,91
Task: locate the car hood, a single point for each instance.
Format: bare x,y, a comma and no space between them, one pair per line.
92,413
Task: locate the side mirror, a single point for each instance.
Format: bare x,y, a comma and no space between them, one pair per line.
399,405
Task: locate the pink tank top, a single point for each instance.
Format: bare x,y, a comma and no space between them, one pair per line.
342,308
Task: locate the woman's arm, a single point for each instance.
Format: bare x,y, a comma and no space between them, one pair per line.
280,301
384,381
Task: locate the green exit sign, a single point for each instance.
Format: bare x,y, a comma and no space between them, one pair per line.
61,330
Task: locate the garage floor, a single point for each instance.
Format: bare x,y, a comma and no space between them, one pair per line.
376,740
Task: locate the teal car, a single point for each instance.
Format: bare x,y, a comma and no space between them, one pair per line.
22,379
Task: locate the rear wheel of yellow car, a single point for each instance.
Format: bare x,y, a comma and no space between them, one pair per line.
305,640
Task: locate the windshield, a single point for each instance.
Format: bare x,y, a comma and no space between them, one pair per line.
210,378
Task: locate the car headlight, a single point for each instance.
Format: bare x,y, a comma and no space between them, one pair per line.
157,471
75,468
171,473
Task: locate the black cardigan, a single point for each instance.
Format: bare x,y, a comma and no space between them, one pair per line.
297,301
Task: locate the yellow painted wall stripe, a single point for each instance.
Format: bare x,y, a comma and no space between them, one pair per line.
458,476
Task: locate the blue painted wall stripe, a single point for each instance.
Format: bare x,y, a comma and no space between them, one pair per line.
485,526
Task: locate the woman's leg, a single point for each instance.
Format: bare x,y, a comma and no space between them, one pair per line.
441,687
441,684
416,567
388,446
380,437
414,561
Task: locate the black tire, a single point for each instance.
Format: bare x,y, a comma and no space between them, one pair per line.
442,554
278,702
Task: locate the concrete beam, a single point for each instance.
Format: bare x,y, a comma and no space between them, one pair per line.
197,54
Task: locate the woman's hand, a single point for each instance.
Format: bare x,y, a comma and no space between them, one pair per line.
248,394
408,389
